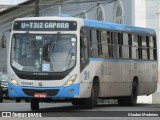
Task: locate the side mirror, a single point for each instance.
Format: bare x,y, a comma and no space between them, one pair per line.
3,41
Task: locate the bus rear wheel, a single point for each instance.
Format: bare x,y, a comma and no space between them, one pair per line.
130,100
34,104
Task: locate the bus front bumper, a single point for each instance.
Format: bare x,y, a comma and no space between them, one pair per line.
55,92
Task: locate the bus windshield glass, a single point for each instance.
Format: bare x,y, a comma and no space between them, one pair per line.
43,52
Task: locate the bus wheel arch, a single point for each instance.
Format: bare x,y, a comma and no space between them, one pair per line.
132,99
135,79
134,91
92,101
96,81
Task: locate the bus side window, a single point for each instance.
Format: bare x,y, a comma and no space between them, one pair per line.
120,44
104,41
155,48
130,45
83,45
152,45
144,48
94,44
115,45
110,44
147,42
125,49
139,46
134,47
99,41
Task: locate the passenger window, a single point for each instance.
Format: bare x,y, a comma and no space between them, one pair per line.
152,45
84,48
144,48
134,47
104,41
139,47
115,45
130,45
99,42
94,44
110,44
84,45
125,48
120,43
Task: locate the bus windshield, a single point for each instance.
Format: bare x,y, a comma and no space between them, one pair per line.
43,52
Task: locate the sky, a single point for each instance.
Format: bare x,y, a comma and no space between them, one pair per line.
12,2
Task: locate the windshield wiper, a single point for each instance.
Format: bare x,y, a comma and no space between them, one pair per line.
33,46
53,44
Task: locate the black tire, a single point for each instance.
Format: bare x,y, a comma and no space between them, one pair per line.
131,100
34,104
27,100
93,100
78,101
121,101
1,100
18,100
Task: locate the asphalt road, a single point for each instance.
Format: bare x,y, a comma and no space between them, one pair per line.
67,111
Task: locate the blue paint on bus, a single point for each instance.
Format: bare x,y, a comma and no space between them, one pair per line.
16,91
120,60
118,27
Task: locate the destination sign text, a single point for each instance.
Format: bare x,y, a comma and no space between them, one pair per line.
44,25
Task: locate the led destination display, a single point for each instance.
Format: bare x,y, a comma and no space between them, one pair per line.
45,25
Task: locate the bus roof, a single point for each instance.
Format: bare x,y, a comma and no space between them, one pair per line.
99,24
118,27
49,18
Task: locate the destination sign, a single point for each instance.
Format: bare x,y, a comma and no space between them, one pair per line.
45,25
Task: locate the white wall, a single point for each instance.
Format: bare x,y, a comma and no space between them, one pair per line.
140,13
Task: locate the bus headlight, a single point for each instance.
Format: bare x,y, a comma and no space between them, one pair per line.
70,81
14,82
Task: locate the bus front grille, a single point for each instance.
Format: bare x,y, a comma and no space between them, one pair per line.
31,92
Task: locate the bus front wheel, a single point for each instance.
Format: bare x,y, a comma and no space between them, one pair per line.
18,100
93,100
34,104
78,101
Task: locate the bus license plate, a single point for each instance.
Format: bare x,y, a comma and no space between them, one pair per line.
40,95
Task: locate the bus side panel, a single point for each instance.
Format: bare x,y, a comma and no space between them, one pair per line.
154,78
86,79
109,74
127,77
111,84
116,80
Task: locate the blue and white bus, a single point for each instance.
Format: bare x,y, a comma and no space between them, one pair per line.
80,60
